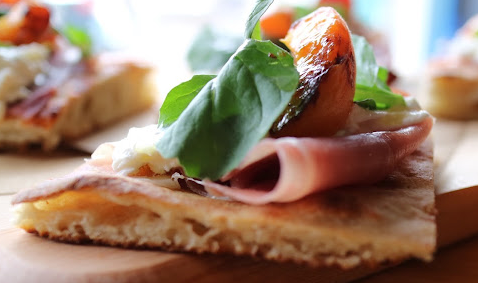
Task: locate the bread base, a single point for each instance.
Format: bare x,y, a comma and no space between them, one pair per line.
385,222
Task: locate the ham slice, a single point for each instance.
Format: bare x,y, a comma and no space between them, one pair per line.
287,169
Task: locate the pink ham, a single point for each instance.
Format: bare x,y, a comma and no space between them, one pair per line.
287,169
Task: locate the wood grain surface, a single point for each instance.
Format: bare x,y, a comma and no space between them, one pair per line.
457,263
459,169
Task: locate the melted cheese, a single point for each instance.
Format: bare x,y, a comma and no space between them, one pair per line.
19,67
137,150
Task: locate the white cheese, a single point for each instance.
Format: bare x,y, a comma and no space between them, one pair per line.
19,66
362,120
137,150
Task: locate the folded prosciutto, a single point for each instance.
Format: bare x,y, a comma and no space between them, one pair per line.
287,169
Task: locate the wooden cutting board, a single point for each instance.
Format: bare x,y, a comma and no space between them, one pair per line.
27,258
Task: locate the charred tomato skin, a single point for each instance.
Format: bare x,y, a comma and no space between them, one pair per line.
322,48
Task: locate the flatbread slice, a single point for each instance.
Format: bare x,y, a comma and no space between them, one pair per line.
110,88
450,90
388,221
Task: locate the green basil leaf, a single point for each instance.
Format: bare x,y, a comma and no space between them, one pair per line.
367,104
256,33
371,80
382,75
383,98
256,14
211,49
367,68
79,37
232,112
179,98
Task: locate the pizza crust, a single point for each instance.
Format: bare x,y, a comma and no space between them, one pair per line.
85,102
386,222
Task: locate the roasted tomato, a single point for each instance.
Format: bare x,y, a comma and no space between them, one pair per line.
323,53
26,23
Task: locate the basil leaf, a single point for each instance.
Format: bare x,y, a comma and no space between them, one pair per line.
382,75
78,37
256,14
383,98
232,112
367,68
367,104
256,33
179,98
371,80
211,49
